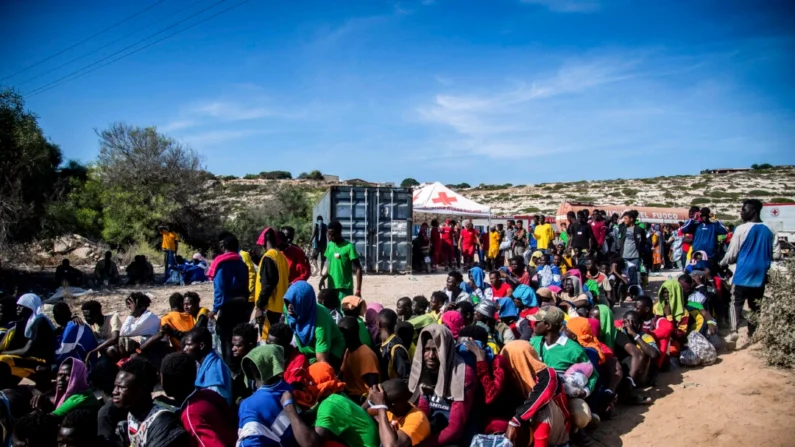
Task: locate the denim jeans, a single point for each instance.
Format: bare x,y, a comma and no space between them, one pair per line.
169,260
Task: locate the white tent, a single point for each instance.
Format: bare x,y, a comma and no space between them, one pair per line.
437,198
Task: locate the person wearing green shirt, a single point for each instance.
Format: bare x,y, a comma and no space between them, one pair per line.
555,349
337,417
316,334
71,390
343,262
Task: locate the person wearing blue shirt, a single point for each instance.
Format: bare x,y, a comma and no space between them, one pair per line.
751,249
229,275
705,233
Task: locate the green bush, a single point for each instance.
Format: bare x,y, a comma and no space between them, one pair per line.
530,209
289,206
759,193
776,318
409,183
721,194
781,200
629,192
699,200
757,167
584,199
699,185
226,178
275,175
251,176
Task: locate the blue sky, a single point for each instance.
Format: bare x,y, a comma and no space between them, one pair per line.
520,91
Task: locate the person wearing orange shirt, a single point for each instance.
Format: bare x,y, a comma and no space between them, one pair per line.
400,424
360,364
170,245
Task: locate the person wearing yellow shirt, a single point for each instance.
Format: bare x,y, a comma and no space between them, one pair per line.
272,281
544,234
252,278
170,245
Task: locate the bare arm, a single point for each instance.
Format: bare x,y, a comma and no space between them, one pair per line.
357,267
304,434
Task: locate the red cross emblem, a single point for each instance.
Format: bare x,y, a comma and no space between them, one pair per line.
774,212
444,199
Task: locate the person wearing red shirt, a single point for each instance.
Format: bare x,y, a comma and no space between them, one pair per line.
599,231
469,242
658,327
447,236
500,288
298,268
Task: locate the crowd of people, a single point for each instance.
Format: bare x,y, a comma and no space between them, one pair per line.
525,350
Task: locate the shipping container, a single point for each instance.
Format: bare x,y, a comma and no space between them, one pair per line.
376,220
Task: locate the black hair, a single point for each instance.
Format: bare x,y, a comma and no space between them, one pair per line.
179,367
404,298
193,296
495,272
423,302
694,209
65,262
687,279
705,211
229,241
476,332
61,309
103,376
405,332
571,214
465,307
282,332
456,275
37,428
140,299
144,371
633,214
335,225
755,204
519,260
631,313
439,296
329,298
583,272
397,388
289,232
389,318
646,300
176,300
92,306
108,254
349,326
201,335
246,331
626,213
83,419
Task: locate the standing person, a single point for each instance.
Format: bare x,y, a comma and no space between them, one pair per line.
213,374
469,244
457,244
657,243
446,233
508,239
297,262
230,290
494,247
631,239
751,249
705,233
149,424
343,262
520,239
599,230
581,235
205,415
272,281
543,234
436,244
675,241
319,240
170,246
106,272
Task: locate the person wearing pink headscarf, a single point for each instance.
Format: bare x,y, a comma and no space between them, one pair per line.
71,390
371,321
454,321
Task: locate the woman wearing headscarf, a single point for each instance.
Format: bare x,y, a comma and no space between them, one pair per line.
573,294
444,384
371,321
540,403
607,328
671,306
71,388
39,346
316,335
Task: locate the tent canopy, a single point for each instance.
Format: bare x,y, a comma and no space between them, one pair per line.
437,198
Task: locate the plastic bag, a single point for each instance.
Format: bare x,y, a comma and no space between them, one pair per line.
490,441
699,351
574,383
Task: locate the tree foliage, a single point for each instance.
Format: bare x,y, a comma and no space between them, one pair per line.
759,167
314,175
409,182
776,318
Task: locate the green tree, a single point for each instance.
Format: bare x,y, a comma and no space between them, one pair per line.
409,183
28,170
288,206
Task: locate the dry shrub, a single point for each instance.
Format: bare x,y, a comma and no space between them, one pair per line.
776,319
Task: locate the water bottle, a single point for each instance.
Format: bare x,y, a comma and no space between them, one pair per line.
211,326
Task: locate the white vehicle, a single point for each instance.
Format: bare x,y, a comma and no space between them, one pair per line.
780,217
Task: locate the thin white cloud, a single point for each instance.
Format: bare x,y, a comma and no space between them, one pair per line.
177,125
203,139
567,6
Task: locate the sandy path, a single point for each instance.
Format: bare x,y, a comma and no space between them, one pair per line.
738,401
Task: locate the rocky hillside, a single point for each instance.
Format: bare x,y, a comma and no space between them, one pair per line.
721,192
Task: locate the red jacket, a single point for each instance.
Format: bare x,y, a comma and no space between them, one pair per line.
297,264
209,421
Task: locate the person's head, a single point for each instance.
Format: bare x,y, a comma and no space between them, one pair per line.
614,218
536,219
511,223
627,218
92,312
484,312
264,365
519,224
61,313
561,249
517,265
102,376
644,307
405,332
398,395
582,216
571,216
548,320
434,223
698,256
454,280
280,334
353,306
468,224
474,332
178,375
467,310
591,266
108,255
387,320
599,217
693,212
320,219
500,227
134,385
177,302
62,376
686,281
191,303
335,231
36,429
137,303
197,343
568,286
557,260
751,210
244,339
329,298
543,260
403,307
78,428
228,243
705,213
633,320
288,234
438,300
583,272
419,305
494,278
349,326
65,263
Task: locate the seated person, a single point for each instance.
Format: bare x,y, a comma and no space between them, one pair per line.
421,315
106,272
658,327
405,331
547,274
148,422
338,418
34,430
79,427
478,286
192,306
193,271
498,333
490,368
71,391
446,386
329,298
393,354
140,325
453,289
244,339
68,276
295,362
499,288
76,339
261,415
404,309
353,306
637,351
101,379
400,424
316,335
140,271
204,414
697,305
438,302
39,339
213,373
359,365
175,324
105,328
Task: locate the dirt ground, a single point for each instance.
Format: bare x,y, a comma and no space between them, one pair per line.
738,401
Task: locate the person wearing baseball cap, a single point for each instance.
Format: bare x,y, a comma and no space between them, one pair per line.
554,348
499,332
